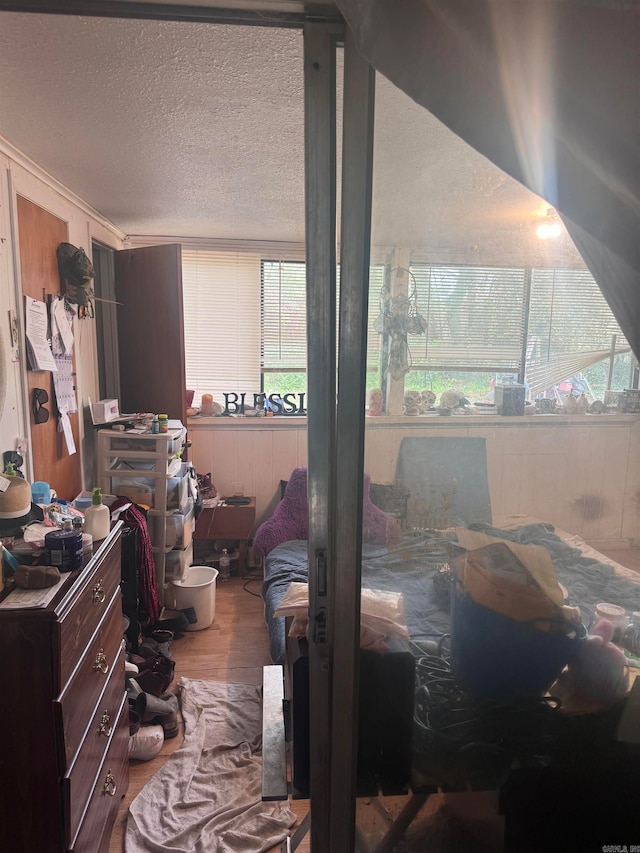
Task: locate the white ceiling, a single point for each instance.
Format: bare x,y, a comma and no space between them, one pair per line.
196,130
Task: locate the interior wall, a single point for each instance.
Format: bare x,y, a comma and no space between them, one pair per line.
580,473
20,177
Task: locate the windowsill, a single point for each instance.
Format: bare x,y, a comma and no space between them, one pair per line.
246,422
431,420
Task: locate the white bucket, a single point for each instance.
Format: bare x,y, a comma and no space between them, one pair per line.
197,590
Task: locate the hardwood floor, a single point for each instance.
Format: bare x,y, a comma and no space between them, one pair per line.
234,649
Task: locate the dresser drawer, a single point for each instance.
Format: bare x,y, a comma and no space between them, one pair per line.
77,702
79,780
110,787
78,624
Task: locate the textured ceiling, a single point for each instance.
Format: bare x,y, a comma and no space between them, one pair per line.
184,129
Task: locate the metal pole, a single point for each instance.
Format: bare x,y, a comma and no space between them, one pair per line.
320,221
522,373
612,358
355,253
283,14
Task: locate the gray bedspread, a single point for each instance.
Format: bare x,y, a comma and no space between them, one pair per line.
409,568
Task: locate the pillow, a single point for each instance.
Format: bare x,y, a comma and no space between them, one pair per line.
290,518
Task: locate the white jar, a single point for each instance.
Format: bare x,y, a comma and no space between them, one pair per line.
614,614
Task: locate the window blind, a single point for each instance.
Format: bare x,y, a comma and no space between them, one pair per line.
475,317
571,327
221,296
284,315
374,338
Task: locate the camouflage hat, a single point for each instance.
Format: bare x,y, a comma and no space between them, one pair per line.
76,271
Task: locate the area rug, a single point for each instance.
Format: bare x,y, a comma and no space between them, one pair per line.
207,796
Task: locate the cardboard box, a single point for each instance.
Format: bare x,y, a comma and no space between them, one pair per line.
105,411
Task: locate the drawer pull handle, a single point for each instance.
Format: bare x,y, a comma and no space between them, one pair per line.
104,728
99,594
100,663
109,786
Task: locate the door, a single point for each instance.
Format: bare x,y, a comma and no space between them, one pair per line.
40,234
148,286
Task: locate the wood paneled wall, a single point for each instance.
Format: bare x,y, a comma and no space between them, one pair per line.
581,473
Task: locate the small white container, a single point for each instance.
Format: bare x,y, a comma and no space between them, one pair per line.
614,614
198,590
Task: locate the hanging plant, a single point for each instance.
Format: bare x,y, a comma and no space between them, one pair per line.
400,315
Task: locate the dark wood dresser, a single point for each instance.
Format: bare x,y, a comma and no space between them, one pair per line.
64,718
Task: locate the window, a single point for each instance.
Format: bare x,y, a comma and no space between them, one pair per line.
246,329
284,325
571,327
283,296
475,317
221,295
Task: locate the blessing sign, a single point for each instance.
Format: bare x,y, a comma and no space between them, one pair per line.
289,404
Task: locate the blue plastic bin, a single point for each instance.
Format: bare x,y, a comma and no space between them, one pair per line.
502,659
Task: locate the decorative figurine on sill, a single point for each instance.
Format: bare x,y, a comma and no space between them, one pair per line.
428,401
571,405
411,403
582,405
375,402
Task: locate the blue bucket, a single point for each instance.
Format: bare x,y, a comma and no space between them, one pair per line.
502,659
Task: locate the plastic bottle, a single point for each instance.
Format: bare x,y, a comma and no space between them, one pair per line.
225,565
97,518
163,421
155,425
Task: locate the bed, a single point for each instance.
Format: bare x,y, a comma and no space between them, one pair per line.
411,562
452,742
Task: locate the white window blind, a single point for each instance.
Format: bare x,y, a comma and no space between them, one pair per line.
374,338
571,327
221,295
475,317
284,317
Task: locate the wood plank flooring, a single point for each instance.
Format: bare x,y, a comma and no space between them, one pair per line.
234,649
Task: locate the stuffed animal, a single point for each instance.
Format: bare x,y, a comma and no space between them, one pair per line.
599,668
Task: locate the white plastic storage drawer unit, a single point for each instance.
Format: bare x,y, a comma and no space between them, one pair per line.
175,528
146,469
177,562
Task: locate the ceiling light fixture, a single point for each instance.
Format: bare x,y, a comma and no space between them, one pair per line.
551,227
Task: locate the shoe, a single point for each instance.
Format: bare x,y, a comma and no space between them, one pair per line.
130,668
160,710
149,648
134,721
189,613
146,743
156,675
169,624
